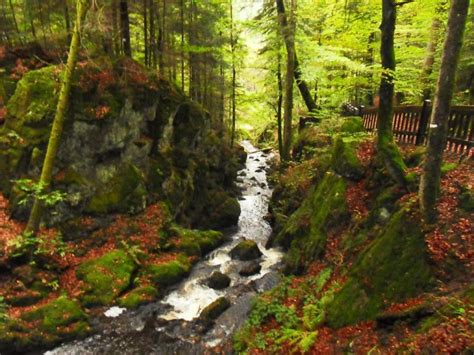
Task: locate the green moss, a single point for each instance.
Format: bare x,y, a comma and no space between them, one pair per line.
105,278
58,313
123,193
197,242
138,296
305,231
169,273
344,159
447,167
352,124
32,106
394,267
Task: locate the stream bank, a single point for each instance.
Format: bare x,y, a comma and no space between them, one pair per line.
171,326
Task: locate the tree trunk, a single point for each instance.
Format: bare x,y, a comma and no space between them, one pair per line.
117,38
430,52
302,86
430,180
181,14
279,104
153,45
145,32
232,48
67,20
288,36
125,28
15,23
386,147
58,123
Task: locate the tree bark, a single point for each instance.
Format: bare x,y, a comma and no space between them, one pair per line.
430,180
386,147
302,86
125,28
232,48
117,38
181,15
145,32
288,36
59,117
279,104
430,52
15,23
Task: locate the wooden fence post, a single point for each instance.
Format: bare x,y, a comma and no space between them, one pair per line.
361,111
424,119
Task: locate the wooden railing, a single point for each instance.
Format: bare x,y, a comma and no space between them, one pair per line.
411,125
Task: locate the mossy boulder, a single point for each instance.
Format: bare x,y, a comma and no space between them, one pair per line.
106,277
59,320
466,200
246,250
218,281
138,296
215,309
304,233
125,192
196,242
168,273
32,106
393,268
227,214
344,159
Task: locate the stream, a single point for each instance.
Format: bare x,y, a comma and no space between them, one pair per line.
170,326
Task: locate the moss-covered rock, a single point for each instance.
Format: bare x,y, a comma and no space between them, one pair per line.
392,269
59,320
196,242
125,192
304,234
138,296
227,214
168,273
105,278
345,161
246,250
215,309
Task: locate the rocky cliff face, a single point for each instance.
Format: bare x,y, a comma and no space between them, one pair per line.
130,139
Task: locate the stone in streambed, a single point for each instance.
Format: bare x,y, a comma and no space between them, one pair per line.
250,269
218,281
215,309
246,250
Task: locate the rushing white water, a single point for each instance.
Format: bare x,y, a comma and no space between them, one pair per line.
193,295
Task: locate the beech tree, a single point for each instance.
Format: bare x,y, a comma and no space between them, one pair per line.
386,147
57,128
430,180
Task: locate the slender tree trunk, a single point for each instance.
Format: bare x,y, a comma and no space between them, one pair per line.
302,86
32,25
232,48
153,44
117,38
40,9
145,32
430,180
67,20
15,23
125,28
288,36
279,104
430,52
163,39
181,15
370,62
58,123
386,147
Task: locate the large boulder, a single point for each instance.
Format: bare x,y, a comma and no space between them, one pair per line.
215,309
246,250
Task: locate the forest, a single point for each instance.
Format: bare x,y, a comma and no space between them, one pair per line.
236,177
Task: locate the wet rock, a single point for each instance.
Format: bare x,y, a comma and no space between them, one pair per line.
259,170
250,269
215,309
242,173
246,250
239,180
218,281
263,185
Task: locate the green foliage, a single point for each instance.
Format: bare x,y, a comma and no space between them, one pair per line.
38,190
